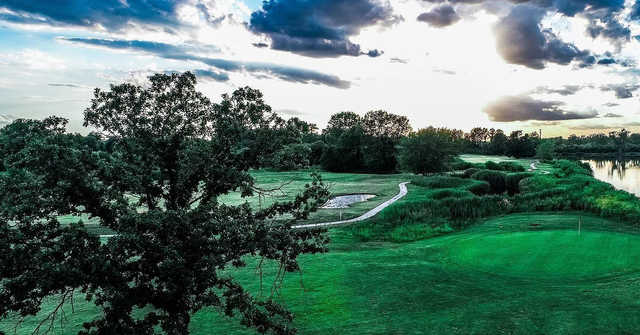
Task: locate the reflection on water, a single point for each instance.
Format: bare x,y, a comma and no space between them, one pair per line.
622,174
344,201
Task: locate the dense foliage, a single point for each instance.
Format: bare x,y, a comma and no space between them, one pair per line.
441,203
154,183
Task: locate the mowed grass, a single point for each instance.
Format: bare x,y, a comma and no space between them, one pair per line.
514,274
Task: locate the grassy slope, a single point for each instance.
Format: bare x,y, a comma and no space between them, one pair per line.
462,283
381,288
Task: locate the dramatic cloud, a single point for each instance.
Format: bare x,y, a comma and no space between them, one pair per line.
525,108
564,90
287,73
111,14
441,16
622,91
521,40
320,28
612,115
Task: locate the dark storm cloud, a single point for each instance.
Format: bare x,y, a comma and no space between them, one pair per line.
609,28
525,108
521,40
622,91
441,16
606,61
287,73
111,14
564,90
375,53
320,28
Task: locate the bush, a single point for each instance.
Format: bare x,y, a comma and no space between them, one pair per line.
491,165
512,167
291,157
479,187
496,180
470,172
512,181
565,168
440,182
450,193
459,164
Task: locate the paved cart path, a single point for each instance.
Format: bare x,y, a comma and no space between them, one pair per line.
369,214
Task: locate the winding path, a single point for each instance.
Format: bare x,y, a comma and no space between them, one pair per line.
369,214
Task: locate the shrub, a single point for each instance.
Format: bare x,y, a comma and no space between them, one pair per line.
512,181
450,193
565,168
512,167
479,187
459,164
439,182
491,165
496,179
470,172
291,157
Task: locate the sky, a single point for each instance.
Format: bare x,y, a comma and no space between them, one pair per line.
563,66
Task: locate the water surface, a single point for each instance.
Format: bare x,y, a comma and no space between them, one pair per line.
622,174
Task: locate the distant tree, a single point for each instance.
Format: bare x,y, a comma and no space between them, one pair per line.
498,144
343,121
173,153
546,150
428,150
344,150
620,139
519,145
383,131
292,157
382,124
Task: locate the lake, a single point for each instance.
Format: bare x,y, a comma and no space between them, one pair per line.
622,174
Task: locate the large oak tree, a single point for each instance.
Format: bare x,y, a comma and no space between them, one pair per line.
155,184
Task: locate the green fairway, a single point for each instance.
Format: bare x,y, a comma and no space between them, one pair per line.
515,274
546,254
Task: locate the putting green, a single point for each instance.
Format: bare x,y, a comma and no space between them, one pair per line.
546,254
